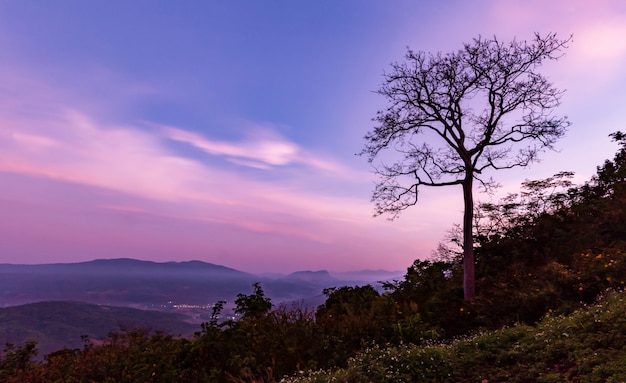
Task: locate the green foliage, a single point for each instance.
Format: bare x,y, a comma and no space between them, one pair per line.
130,356
255,305
586,346
16,363
431,290
547,248
350,318
256,347
347,301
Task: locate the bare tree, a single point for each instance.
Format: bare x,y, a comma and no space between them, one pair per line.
452,117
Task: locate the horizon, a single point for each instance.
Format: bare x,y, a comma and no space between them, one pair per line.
226,132
355,271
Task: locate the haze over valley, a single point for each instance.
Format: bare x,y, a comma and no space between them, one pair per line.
183,292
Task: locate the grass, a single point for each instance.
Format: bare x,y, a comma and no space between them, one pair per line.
585,346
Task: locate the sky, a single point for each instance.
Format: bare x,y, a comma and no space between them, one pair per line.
226,131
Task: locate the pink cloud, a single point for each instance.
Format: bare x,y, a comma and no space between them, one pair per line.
262,149
267,148
601,45
69,223
67,146
598,27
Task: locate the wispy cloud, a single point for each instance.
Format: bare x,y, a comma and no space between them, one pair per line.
262,148
74,148
67,145
267,147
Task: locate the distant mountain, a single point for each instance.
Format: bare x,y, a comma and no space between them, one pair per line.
126,266
123,282
144,284
370,276
321,275
55,325
45,299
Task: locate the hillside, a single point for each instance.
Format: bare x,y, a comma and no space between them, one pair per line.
55,325
588,345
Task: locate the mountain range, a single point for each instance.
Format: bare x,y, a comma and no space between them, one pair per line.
145,284
57,304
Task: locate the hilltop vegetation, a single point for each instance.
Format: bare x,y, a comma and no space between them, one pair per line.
585,346
543,257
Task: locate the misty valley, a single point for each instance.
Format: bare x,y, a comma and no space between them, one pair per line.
174,297
165,286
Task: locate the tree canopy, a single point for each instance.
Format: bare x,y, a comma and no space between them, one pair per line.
452,117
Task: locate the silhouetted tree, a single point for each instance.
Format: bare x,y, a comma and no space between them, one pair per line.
254,305
452,117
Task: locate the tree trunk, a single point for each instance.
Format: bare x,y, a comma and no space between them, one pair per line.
469,289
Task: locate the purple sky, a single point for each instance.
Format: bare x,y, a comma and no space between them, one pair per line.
225,131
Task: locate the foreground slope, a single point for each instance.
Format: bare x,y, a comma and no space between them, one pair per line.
589,345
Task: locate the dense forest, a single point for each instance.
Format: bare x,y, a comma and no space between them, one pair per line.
544,256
